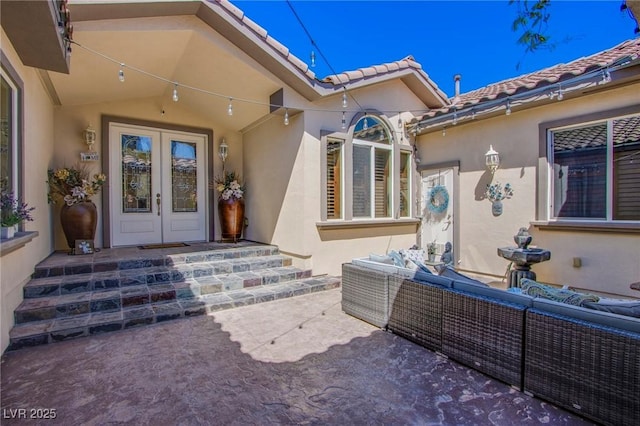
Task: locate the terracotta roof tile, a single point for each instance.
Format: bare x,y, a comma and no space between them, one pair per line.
544,77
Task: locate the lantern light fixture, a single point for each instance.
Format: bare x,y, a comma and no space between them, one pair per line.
492,159
89,136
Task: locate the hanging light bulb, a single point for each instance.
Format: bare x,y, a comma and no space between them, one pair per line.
344,100
508,110
606,77
400,123
444,131
344,120
121,74
313,58
286,117
175,93
560,95
455,118
473,115
230,107
365,124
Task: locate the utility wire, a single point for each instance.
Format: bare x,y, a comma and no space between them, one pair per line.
324,58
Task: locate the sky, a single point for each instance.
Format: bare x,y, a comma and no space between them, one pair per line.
470,38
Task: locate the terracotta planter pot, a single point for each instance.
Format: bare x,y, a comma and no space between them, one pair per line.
231,213
79,222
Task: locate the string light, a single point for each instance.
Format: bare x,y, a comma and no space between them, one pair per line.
444,131
365,124
508,110
560,95
344,99
344,120
286,117
313,59
400,123
455,118
606,77
175,92
175,84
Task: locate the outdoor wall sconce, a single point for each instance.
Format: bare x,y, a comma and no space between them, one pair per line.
89,136
223,152
492,159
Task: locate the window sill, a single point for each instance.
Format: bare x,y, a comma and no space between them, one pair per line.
368,223
19,240
579,226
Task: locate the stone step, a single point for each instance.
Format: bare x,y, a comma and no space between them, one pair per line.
161,305
113,298
62,285
60,264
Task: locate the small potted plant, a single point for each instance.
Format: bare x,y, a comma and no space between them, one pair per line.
431,251
12,213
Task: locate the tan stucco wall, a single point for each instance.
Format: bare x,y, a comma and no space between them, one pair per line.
71,121
610,261
17,267
282,166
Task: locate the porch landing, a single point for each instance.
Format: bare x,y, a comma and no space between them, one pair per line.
121,288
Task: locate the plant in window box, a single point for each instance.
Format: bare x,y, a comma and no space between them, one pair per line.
230,204
496,193
75,186
12,213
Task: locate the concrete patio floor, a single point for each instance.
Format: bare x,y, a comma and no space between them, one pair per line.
293,361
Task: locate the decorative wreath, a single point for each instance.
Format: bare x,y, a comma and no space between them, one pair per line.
438,199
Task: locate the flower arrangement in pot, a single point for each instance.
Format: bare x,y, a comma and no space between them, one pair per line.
231,204
496,193
75,186
12,213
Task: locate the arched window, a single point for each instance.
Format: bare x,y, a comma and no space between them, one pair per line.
372,169
367,174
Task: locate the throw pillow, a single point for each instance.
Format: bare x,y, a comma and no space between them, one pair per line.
398,260
448,272
536,289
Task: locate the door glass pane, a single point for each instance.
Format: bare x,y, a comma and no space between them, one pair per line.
361,181
580,172
136,174
6,138
184,177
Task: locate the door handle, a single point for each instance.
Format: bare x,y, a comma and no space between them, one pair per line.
158,202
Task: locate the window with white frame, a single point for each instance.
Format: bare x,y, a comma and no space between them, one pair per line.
366,175
8,136
596,170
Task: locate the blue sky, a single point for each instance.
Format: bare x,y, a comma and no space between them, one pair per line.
471,38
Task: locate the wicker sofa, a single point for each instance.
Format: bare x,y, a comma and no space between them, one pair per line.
584,360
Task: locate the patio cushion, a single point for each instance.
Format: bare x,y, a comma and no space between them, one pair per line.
585,314
626,307
536,289
381,259
448,272
495,293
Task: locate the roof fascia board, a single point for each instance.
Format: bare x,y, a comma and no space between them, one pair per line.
585,84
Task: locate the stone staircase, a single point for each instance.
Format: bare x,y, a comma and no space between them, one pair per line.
116,289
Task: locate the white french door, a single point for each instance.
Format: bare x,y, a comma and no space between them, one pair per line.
158,186
437,208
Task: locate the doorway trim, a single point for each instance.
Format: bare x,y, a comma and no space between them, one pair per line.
455,165
106,120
